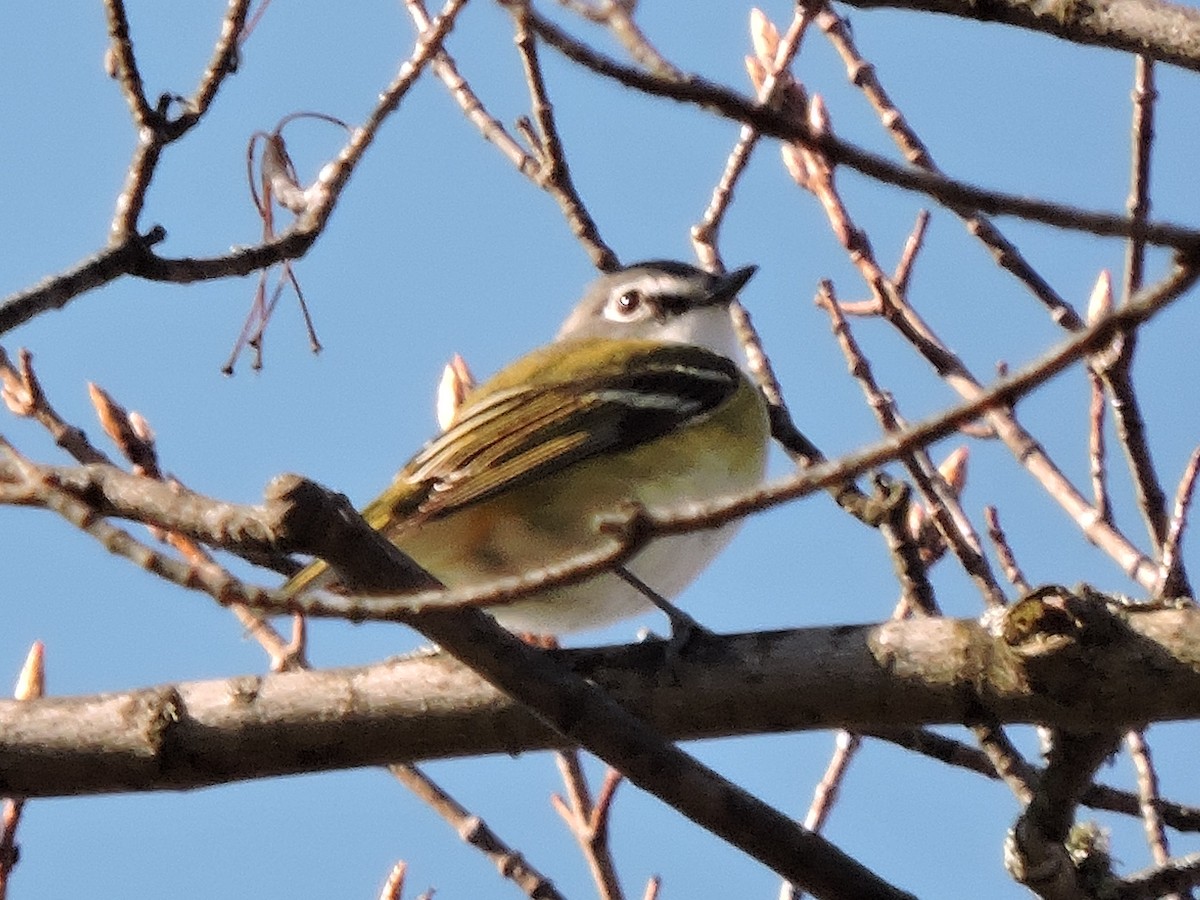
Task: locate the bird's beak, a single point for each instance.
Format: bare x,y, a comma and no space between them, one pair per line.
726,287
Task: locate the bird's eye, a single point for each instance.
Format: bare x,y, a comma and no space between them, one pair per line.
629,302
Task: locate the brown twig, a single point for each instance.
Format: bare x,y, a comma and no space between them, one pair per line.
155,130
1096,456
1008,560
132,254
947,513
492,129
546,164
700,92
1138,203
554,175
1117,374
775,55
23,395
863,75
1006,761
1148,796
588,820
1171,580
617,16
825,794
912,247
475,832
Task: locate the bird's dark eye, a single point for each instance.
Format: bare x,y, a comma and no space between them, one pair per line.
630,301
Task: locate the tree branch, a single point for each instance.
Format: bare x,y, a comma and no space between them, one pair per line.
1164,32
865,677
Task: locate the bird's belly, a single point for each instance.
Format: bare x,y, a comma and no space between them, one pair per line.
668,565
499,539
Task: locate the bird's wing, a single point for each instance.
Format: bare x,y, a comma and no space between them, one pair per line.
512,435
550,410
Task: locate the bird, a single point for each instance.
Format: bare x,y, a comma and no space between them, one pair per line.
638,400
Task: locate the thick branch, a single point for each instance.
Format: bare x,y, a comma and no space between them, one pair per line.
896,674
1164,32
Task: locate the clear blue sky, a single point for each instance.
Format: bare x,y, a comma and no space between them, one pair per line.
440,246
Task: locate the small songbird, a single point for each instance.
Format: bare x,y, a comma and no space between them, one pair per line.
637,400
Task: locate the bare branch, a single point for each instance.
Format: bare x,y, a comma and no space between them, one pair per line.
554,175
131,254
1148,796
1008,560
1098,796
587,821
476,832
700,92
926,670
773,77
1171,582
862,74
1165,32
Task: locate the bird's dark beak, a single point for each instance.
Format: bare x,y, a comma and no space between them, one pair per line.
726,287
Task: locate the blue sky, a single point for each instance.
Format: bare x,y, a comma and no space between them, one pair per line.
439,246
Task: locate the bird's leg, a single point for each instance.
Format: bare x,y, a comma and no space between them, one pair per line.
685,631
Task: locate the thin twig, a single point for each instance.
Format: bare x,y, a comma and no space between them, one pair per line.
1006,761
1171,581
1138,204
912,247
475,832
554,175
1008,560
132,254
699,92
491,128
1096,456
774,76
618,16
947,512
863,75
154,129
1118,376
825,794
1148,796
587,821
